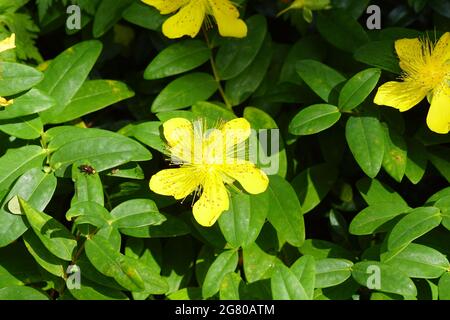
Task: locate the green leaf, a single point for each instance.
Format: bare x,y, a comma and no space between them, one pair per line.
313,184
66,74
358,88
373,217
229,288
380,54
341,30
286,286
28,128
178,58
320,249
136,213
92,96
21,293
15,162
37,188
90,290
184,91
235,55
258,263
365,137
15,78
419,261
331,272
414,225
128,272
416,162
285,213
103,149
374,192
444,205
265,124
89,212
440,158
43,256
391,280
314,119
88,186
31,102
212,112
305,271
395,154
55,237
319,77
148,133
114,9
444,287
171,227
239,88
243,221
226,262
144,16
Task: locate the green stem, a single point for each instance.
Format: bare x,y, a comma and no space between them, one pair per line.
216,74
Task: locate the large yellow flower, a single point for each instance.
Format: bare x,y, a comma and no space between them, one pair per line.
208,159
426,67
6,44
191,13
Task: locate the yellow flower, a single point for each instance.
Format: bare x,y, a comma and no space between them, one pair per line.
209,160
6,44
426,67
191,13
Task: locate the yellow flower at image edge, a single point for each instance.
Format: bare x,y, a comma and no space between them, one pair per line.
426,67
208,163
7,44
191,13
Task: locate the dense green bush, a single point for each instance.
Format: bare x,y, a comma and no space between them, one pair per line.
356,206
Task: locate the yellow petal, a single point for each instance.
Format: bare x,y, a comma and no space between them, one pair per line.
213,201
442,48
166,6
252,179
400,95
4,102
438,119
410,53
178,182
186,22
236,131
177,130
8,43
227,18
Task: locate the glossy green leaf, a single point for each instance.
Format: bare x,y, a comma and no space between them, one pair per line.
390,279
178,58
415,224
136,213
321,78
31,102
286,286
365,137
55,237
235,55
305,271
444,205
331,272
21,293
66,74
17,77
444,287
92,96
395,154
285,213
226,262
314,119
144,16
184,91
103,22
358,88
243,221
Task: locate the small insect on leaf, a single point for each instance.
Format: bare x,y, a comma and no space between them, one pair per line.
87,169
